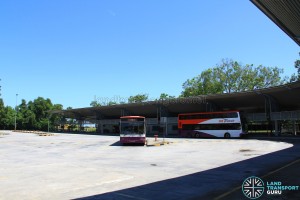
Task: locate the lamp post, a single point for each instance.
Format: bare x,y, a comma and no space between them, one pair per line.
16,112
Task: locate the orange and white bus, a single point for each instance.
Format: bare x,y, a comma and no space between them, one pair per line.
132,130
210,124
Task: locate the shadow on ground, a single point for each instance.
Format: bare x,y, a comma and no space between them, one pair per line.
211,183
118,143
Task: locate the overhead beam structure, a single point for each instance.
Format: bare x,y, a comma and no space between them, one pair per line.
280,98
284,13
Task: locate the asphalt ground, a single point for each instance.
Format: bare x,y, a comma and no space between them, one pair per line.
287,174
287,171
68,166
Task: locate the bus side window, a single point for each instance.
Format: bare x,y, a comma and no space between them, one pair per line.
237,126
232,115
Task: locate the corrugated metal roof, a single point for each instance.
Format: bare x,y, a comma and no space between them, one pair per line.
284,13
286,96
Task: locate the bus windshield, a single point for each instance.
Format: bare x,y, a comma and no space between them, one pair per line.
132,128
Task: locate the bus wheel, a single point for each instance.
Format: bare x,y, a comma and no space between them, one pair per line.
197,135
227,135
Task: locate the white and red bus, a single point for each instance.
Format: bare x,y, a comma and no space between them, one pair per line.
210,124
132,130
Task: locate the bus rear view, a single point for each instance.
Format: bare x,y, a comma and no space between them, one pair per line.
132,130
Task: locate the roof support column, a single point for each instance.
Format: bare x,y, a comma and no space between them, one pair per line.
271,105
210,107
162,111
125,112
276,128
99,117
80,122
294,127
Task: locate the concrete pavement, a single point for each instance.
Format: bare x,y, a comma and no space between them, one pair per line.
65,166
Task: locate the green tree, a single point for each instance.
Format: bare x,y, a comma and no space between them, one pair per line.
165,96
138,98
111,103
33,115
56,119
9,119
2,114
40,108
230,76
205,83
296,77
297,65
7,116
95,104
26,118
28,121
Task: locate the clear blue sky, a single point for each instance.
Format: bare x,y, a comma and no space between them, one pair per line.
73,50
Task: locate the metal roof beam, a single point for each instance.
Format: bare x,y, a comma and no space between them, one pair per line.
284,13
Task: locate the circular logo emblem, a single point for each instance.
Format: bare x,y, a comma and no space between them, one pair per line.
253,187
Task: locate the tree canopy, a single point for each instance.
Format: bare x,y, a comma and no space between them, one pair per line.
230,76
165,96
138,98
95,103
296,77
33,115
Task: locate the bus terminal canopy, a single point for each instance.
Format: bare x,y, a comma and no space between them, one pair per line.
275,99
284,13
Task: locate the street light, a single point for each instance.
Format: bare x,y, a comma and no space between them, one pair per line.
16,112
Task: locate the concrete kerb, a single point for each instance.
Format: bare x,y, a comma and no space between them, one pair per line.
4,133
158,143
39,133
